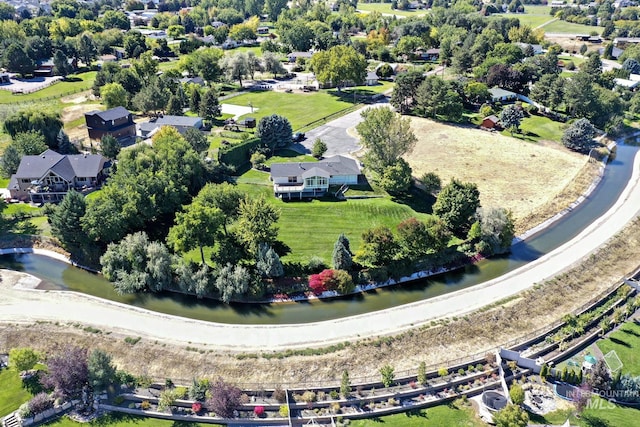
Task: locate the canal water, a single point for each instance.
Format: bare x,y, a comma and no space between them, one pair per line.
59,275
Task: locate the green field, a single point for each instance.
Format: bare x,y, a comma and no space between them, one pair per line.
85,80
533,15
626,342
563,27
324,220
386,8
536,128
300,108
124,420
12,395
602,414
444,415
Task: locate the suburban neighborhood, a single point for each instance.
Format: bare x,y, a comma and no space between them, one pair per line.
332,213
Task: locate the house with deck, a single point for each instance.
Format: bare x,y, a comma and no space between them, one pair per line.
117,122
299,180
48,177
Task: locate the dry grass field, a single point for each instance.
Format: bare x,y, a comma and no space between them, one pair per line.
512,174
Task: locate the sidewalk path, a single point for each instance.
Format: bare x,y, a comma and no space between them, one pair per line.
18,305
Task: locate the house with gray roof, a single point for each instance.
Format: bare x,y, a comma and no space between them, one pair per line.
312,179
181,123
117,122
47,177
502,95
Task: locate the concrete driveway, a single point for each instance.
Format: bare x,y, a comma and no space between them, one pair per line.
335,135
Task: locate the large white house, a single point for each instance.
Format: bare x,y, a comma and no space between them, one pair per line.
312,179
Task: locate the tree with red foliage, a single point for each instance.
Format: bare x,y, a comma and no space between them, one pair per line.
259,411
331,280
67,371
224,398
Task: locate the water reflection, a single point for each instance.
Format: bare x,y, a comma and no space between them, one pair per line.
59,275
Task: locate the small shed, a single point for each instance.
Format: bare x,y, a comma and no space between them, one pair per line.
491,122
249,122
5,78
372,78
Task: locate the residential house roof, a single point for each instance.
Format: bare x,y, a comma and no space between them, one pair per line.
178,121
66,166
492,118
111,114
371,76
332,166
616,52
197,80
498,93
300,54
433,51
629,84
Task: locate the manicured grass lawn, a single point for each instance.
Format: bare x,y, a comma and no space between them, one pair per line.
602,414
255,49
563,27
536,128
12,395
437,416
386,8
16,208
533,16
311,228
4,182
123,420
626,342
299,108
57,90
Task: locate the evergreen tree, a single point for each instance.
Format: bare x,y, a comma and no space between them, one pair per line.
174,108
110,146
268,263
64,144
65,222
194,100
61,65
210,107
345,385
342,259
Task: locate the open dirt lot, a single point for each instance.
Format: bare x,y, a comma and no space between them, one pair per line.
512,174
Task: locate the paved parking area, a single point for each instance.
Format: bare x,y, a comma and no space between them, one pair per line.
30,85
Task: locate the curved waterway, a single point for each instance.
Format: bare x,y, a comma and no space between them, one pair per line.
59,275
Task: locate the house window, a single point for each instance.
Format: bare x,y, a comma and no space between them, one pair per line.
25,180
293,179
315,181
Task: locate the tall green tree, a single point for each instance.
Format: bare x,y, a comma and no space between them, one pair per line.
110,146
66,222
210,107
379,247
197,226
339,65
511,416
268,263
257,223
386,136
197,139
17,60
86,48
274,131
46,122
404,96
456,205
226,197
396,178
61,65
579,135
235,66
23,358
272,64
342,257
232,282
102,371
174,107
113,95
274,8
511,117
28,143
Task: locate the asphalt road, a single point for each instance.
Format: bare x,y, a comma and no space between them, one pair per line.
335,135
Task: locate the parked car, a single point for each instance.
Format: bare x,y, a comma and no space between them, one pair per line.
297,137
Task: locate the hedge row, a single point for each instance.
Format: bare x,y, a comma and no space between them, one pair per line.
238,155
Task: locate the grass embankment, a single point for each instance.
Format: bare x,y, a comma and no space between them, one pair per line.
124,420
519,176
626,343
75,83
564,27
385,8
324,220
533,16
602,414
443,415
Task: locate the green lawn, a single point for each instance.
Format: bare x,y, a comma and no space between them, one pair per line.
601,414
626,342
324,220
255,49
12,395
533,16
444,415
300,108
563,27
123,420
386,8
84,81
536,128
